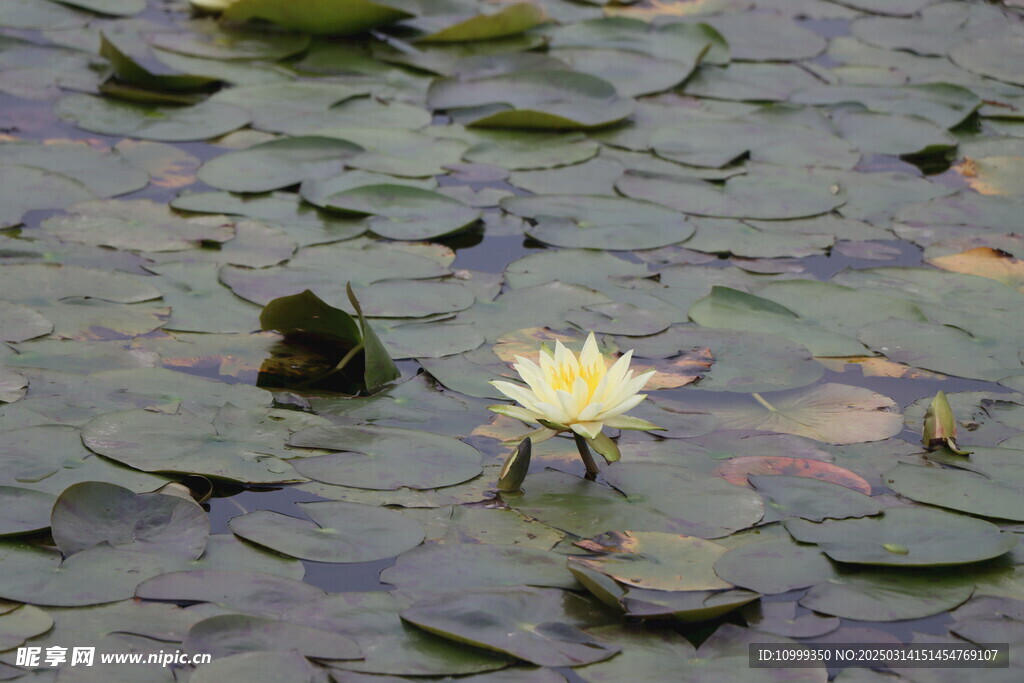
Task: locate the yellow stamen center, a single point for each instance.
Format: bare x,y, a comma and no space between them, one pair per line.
563,377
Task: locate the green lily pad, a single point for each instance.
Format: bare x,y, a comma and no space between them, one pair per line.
26,188
12,386
342,532
889,595
492,526
557,100
893,133
732,309
207,38
666,40
812,499
20,323
405,213
711,508
165,123
600,222
968,492
102,172
774,566
200,303
276,164
24,511
756,37
94,512
944,104
541,626
942,348
717,143
259,667
225,552
909,537
684,606
319,17
140,224
991,55
123,8
782,193
230,634
238,446
833,413
527,150
306,224
22,623
388,644
33,14
385,458
660,561
96,575
508,20
244,592
780,618
282,107
633,74
438,568
746,81
127,53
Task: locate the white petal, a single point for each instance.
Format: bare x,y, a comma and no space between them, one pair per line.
589,412
627,404
590,355
580,393
568,404
587,429
517,393
553,413
515,412
533,376
564,356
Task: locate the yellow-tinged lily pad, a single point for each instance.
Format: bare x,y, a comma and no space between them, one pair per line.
994,264
668,562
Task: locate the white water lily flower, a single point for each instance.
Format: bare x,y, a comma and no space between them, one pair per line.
582,394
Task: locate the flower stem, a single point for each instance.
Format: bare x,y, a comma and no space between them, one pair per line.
588,459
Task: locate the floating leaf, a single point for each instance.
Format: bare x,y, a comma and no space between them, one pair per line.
150,122
738,471
660,561
958,490
541,626
26,188
774,566
508,20
556,100
405,213
94,512
929,537
889,595
24,511
320,17
985,262
340,532
385,458
991,55
306,317
276,164
811,498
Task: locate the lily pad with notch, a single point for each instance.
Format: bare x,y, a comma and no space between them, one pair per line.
385,458
339,532
538,625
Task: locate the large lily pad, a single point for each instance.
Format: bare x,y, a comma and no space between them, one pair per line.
276,164
660,561
24,510
228,634
238,445
341,532
151,122
537,625
774,566
595,222
456,566
94,512
385,458
833,413
654,502
956,489
783,193
812,499
320,16
991,55
907,537
557,100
